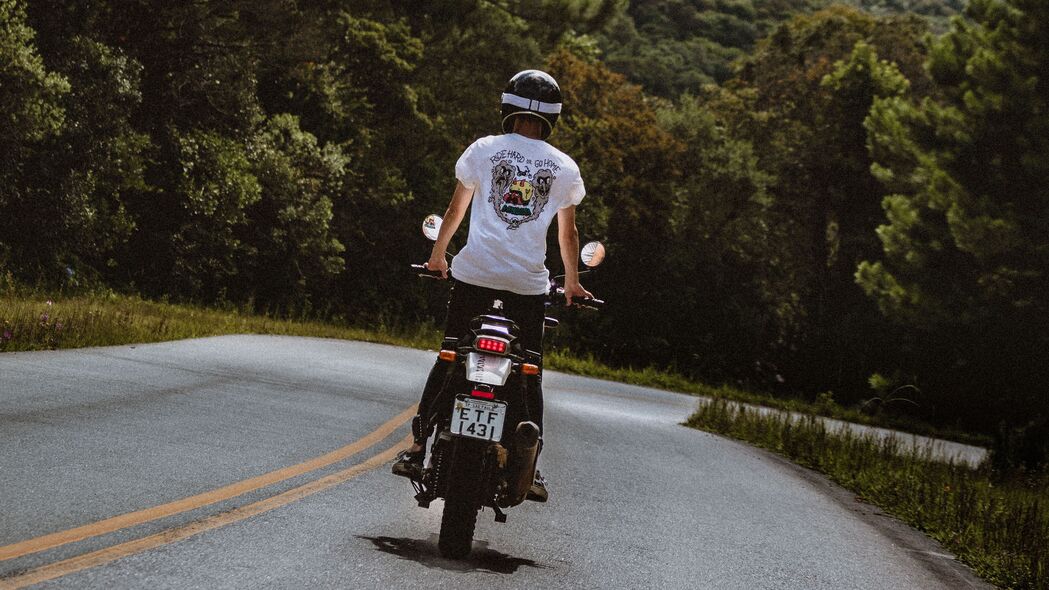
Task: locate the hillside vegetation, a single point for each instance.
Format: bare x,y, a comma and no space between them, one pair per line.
673,47
813,200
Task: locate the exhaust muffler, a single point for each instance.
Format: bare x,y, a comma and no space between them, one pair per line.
521,468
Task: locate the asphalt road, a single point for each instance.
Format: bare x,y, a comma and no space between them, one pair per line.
263,462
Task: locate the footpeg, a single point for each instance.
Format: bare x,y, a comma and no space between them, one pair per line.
424,497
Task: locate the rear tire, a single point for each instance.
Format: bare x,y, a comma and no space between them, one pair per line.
457,528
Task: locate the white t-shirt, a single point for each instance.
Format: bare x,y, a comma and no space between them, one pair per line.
519,185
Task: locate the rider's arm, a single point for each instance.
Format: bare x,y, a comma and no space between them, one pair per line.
568,239
452,218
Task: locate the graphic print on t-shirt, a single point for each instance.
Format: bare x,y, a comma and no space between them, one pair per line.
520,187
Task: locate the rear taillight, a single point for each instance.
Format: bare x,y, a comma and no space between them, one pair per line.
482,394
491,345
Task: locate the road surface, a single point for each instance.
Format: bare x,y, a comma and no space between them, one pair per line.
263,462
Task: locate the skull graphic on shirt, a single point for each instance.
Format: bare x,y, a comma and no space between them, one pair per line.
518,194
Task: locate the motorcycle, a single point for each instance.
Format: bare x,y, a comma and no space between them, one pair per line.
476,462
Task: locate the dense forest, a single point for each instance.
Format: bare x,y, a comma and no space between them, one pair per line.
797,197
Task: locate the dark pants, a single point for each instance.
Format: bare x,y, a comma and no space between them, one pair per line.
468,301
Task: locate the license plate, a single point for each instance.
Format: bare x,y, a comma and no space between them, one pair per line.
478,418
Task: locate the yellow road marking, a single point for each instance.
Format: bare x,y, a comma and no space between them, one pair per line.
122,521
110,554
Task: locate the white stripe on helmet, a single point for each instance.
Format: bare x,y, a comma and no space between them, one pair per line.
532,105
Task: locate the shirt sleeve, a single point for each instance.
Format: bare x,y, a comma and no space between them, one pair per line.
576,192
466,169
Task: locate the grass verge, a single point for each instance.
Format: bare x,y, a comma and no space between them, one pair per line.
999,528
76,322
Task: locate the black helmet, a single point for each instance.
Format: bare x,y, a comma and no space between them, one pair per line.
535,93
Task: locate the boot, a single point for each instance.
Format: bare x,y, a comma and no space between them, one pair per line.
409,464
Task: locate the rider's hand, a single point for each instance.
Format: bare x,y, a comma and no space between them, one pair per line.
438,262
574,289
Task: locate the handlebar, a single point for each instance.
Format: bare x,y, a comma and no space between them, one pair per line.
588,302
554,295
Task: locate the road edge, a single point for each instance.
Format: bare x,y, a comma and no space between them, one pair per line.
937,560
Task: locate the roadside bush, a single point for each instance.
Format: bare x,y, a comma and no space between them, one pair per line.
1021,450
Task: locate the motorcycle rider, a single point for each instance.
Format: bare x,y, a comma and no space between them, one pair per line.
513,184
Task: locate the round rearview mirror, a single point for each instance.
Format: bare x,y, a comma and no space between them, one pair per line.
593,254
432,226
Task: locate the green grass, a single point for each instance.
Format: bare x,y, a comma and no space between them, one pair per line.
1000,528
35,323
29,322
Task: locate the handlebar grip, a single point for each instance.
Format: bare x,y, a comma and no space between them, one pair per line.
588,302
426,273
558,292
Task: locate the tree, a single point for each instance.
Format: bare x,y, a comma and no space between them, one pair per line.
674,47
722,251
82,177
30,100
295,252
212,189
29,94
965,259
800,100
628,164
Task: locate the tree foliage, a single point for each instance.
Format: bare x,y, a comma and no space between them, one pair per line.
800,100
614,132
965,258
720,243
30,92
675,47
30,100
295,249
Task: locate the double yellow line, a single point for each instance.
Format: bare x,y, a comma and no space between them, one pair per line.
109,525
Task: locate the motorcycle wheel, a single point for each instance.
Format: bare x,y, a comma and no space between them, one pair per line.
457,528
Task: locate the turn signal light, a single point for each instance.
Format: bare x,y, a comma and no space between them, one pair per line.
491,345
530,369
447,355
